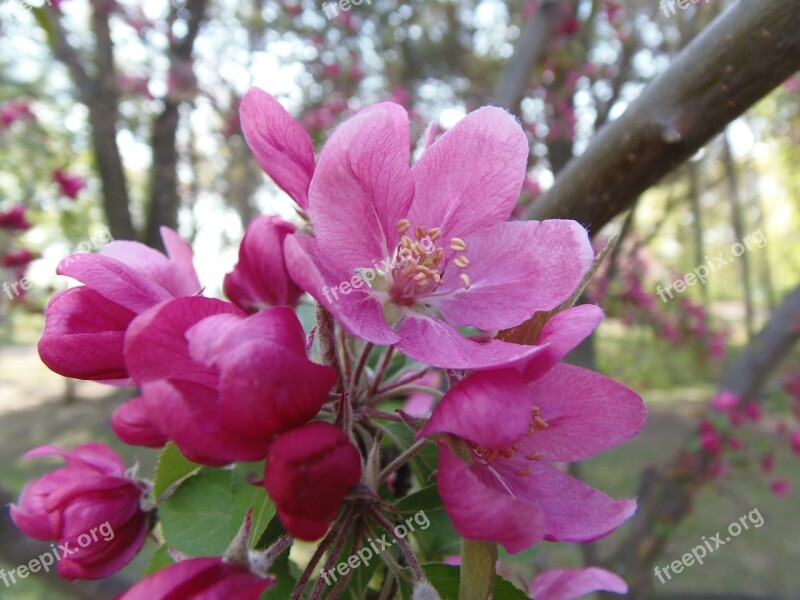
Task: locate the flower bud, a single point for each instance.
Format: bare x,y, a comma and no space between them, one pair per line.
425,591
308,473
90,507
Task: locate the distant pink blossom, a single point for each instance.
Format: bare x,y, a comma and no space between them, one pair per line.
71,185
781,487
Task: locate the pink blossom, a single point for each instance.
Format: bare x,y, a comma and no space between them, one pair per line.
499,431
14,218
767,463
85,326
434,236
566,584
794,440
711,441
260,279
71,185
206,578
308,472
725,401
17,258
752,411
15,110
91,493
781,487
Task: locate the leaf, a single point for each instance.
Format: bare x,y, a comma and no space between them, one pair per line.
478,561
172,467
446,580
247,496
160,559
438,538
424,463
198,518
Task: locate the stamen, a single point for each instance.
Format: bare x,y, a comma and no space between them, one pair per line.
420,232
465,278
403,225
534,456
458,244
524,472
435,233
540,423
461,262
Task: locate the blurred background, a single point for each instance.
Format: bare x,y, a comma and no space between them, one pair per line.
117,117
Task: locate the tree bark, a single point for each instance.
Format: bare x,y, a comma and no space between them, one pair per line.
708,85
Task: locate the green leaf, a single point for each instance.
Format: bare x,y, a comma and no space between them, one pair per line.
478,560
172,467
160,559
446,580
247,496
435,535
198,518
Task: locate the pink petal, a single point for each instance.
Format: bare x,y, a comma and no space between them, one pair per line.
586,412
357,311
434,342
180,253
471,177
574,511
361,189
400,117
481,512
84,334
114,279
280,145
517,268
131,424
566,584
94,455
491,409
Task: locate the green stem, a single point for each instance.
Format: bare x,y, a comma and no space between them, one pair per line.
478,560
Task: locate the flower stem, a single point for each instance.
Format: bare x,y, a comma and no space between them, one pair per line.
398,462
387,359
362,362
404,546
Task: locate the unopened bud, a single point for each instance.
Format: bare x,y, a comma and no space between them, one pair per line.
425,591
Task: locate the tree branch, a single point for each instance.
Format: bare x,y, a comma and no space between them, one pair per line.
708,85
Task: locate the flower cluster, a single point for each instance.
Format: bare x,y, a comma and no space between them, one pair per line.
242,381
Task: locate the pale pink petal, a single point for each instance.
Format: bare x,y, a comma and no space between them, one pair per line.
566,584
180,253
360,314
491,409
400,117
587,413
481,512
471,177
434,342
517,268
362,187
280,145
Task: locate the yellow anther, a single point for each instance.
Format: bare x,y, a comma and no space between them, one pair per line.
420,232
461,262
458,244
403,225
435,233
524,472
465,278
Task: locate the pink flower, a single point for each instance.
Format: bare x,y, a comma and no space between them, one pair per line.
14,219
767,463
498,431
15,110
752,411
309,470
794,440
217,383
260,279
90,507
17,258
404,256
725,401
85,326
196,578
711,441
566,584
71,185
280,145
781,487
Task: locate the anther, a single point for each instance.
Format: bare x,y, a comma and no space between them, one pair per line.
420,232
435,233
465,278
403,225
461,262
458,244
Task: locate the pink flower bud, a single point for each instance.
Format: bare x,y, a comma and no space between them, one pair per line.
210,578
71,185
309,470
90,507
14,219
781,487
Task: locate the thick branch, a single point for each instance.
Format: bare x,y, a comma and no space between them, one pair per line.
708,85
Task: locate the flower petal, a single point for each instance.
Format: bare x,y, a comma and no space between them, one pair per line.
586,413
566,584
517,268
131,424
362,187
490,408
471,177
481,512
280,145
360,314
434,342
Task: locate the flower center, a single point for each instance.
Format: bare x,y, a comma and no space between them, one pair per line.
487,456
418,267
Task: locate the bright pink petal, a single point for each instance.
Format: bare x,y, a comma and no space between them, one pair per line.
560,335
131,424
481,512
94,455
566,584
434,342
586,412
280,145
206,337
517,268
574,511
360,314
84,334
471,177
180,253
491,409
361,189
